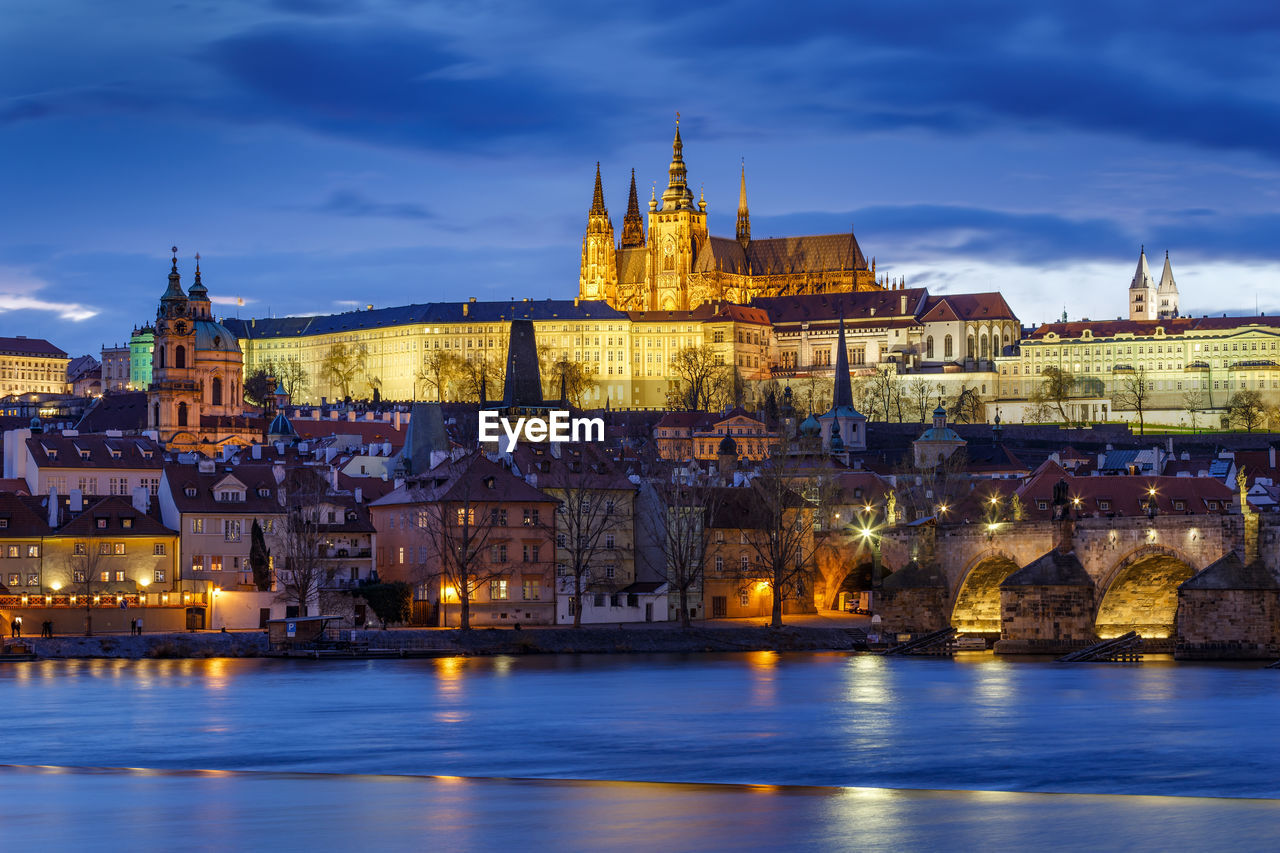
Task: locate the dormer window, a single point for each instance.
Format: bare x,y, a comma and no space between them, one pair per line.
84,454
190,491
126,523
101,523
264,492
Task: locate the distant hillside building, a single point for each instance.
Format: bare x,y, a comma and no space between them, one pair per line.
31,366
675,264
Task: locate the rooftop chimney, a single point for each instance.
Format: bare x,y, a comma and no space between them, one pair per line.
359,495
256,452
77,500
141,499
53,506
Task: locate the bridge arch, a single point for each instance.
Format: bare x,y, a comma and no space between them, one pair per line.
1140,592
976,607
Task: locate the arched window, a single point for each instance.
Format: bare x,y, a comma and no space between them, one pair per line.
983,343
182,412
160,352
216,392
928,347
969,352
155,415
947,350
180,357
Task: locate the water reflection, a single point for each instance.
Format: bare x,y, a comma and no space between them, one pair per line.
760,718
226,810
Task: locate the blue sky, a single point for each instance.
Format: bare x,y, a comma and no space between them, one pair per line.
323,154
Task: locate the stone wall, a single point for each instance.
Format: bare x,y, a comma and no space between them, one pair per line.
912,611
1045,619
1216,624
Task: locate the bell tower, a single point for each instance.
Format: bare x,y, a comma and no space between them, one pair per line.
599,273
173,400
677,231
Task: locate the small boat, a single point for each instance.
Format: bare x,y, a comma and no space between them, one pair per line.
969,644
17,652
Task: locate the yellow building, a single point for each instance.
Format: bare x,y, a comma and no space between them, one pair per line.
676,265
627,356
31,366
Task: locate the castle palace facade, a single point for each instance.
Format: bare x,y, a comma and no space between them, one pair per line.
675,265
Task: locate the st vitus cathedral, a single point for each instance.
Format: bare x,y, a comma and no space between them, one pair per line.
677,265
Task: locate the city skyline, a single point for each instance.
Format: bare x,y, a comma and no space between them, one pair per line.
323,156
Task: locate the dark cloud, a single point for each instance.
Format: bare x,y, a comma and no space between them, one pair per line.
403,87
901,233
347,202
1201,75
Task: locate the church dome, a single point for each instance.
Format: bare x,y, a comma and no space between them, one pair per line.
940,434
810,426
280,426
214,337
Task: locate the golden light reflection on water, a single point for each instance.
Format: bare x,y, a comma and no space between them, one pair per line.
764,678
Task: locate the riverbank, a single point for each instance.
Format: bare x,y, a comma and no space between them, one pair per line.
481,641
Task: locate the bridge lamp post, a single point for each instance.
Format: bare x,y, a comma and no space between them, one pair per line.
871,538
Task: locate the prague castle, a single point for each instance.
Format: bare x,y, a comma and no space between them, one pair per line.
675,265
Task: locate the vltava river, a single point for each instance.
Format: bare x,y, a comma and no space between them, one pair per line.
314,754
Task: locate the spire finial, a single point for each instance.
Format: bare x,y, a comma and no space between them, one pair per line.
744,216
197,263
597,200
175,258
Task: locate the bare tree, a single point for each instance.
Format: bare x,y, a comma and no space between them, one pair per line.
885,392
588,518
85,565
919,393
574,376
782,529
1246,410
935,490
463,527
1056,388
1131,392
301,539
292,376
440,369
966,407
702,380
342,364
480,374
1193,403
681,508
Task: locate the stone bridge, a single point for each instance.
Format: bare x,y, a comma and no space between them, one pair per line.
1135,565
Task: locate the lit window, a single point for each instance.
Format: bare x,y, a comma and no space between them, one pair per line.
159,576
498,590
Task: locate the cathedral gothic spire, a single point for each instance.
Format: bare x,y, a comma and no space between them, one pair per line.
597,201
744,217
632,224
677,194
598,278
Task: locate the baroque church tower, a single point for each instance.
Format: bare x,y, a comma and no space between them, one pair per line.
196,397
677,232
174,397
599,276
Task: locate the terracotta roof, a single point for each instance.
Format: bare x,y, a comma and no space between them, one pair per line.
55,450
870,306
975,306
779,255
114,512
16,485
23,516
256,477
707,312
1126,495
470,479
38,347
685,421
122,410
